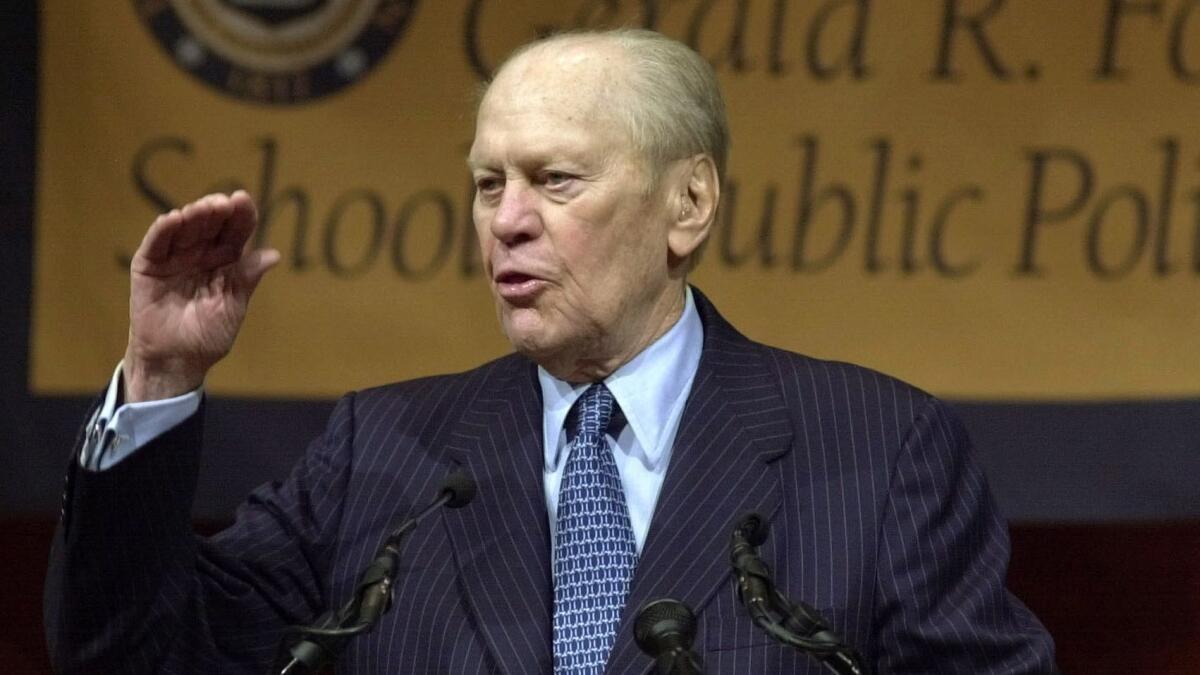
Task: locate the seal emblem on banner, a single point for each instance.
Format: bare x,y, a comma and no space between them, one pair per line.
276,51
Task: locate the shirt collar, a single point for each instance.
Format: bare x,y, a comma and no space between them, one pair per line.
649,389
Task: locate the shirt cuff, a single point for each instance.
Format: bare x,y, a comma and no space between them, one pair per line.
115,431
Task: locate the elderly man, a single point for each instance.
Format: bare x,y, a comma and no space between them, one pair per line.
631,415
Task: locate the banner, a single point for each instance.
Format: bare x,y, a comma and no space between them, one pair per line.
994,199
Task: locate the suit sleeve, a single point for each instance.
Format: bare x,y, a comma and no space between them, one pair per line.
943,606
131,589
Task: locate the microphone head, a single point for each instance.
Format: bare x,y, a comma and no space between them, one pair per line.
662,625
753,527
460,487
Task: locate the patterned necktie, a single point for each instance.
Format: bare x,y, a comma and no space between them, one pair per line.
594,551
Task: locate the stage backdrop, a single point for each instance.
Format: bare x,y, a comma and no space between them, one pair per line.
996,200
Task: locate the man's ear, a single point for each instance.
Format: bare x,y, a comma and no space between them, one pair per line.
697,196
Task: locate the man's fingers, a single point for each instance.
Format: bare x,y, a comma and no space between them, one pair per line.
196,218
255,264
204,220
220,210
212,231
236,234
156,245
240,201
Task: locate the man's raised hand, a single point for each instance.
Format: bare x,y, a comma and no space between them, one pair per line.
191,281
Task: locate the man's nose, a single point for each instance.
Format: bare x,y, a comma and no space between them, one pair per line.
517,218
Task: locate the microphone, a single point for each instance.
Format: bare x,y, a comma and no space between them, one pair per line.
460,487
664,629
375,585
792,623
320,644
753,577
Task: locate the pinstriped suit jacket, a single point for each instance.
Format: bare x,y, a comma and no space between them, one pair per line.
879,518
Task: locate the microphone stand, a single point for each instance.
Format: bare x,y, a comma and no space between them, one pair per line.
319,645
791,623
675,663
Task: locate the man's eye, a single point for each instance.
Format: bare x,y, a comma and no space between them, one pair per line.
488,184
556,179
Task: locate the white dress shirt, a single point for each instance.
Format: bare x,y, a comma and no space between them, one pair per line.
651,390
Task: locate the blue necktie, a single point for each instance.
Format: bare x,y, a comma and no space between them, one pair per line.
594,550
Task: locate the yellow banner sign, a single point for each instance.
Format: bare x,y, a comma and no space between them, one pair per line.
993,199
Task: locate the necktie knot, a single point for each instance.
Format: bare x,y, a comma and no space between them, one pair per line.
594,414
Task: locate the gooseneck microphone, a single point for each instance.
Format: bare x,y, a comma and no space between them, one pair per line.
318,646
375,585
664,629
753,577
795,624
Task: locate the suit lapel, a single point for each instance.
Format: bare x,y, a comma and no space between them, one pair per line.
501,541
734,426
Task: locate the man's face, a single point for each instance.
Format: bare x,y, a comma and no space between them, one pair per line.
574,244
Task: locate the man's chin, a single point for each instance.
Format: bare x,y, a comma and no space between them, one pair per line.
531,345
524,328
535,342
